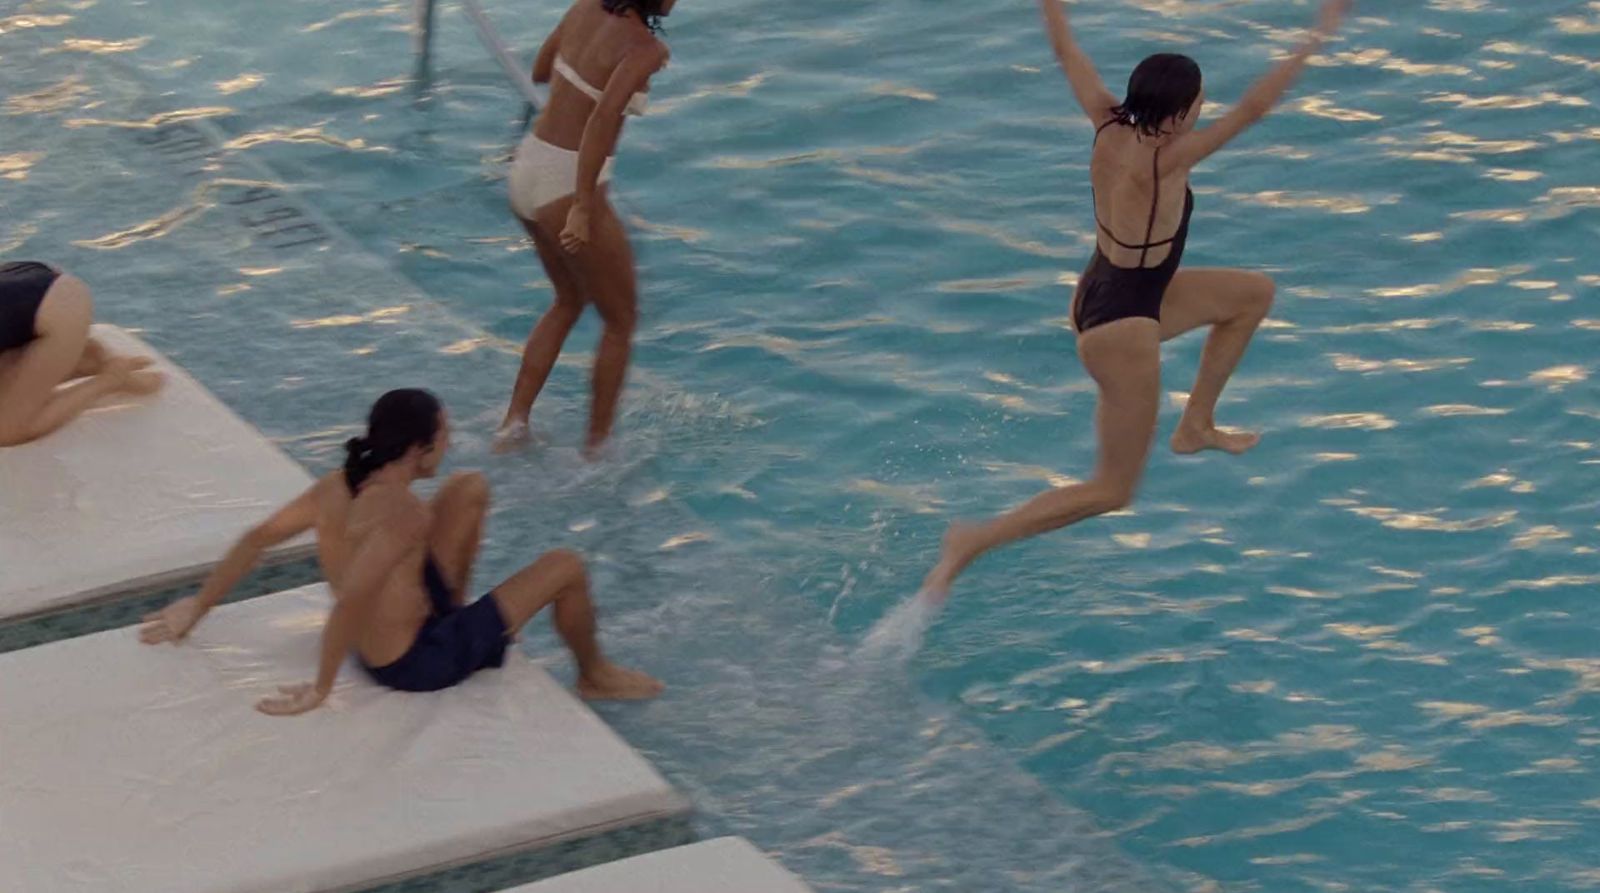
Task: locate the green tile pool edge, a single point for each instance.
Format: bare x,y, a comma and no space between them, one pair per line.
498,873
128,608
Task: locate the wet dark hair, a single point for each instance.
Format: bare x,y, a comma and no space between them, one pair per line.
1163,86
649,11
399,421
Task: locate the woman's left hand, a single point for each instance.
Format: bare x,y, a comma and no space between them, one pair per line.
576,233
292,700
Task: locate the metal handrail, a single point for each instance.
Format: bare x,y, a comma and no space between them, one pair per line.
518,75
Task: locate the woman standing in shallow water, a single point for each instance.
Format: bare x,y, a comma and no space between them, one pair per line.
598,61
1132,297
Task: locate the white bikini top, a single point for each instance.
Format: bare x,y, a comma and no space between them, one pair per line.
636,105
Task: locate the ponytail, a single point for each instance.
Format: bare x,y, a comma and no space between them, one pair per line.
399,421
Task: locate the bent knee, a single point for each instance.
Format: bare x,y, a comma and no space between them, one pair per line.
13,434
565,562
469,486
1260,294
620,323
1112,496
23,424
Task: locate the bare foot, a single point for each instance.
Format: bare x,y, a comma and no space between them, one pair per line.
510,437
93,361
595,453
133,375
117,364
610,682
1192,439
143,382
962,543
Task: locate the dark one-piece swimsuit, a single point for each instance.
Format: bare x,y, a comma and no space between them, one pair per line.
23,285
1107,292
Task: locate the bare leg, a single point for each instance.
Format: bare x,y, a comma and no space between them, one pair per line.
608,270
458,512
1124,358
32,403
559,578
1233,303
547,338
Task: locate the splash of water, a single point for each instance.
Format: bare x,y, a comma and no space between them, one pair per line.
898,636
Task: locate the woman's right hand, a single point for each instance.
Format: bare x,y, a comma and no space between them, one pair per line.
293,700
1333,13
576,233
172,623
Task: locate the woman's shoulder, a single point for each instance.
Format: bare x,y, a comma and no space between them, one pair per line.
650,46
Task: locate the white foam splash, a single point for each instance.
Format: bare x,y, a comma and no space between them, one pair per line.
898,636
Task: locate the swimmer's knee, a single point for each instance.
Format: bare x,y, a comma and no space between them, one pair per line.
13,434
621,323
566,563
19,429
1261,294
1111,496
470,487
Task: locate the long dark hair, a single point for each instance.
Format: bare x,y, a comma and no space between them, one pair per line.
1163,86
649,11
399,421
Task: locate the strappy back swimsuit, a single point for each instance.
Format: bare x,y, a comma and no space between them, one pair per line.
1107,292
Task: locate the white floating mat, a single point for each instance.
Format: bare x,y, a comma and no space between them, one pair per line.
146,769
138,492
724,865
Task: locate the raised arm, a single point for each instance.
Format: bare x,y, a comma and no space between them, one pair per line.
631,76
376,557
1260,99
173,623
1091,91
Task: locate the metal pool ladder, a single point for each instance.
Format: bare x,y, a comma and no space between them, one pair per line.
517,73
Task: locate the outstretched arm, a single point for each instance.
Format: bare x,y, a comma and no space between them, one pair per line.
174,622
600,134
374,560
1261,98
1091,91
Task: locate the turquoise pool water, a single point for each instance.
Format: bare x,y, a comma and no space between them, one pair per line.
1360,658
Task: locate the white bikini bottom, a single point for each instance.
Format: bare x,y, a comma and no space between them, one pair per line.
542,173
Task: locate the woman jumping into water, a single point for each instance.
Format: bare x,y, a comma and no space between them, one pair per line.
1132,297
599,61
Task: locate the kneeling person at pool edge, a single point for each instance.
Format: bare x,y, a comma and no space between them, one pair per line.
399,568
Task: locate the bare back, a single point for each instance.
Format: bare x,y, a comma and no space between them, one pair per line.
344,522
1122,171
594,42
